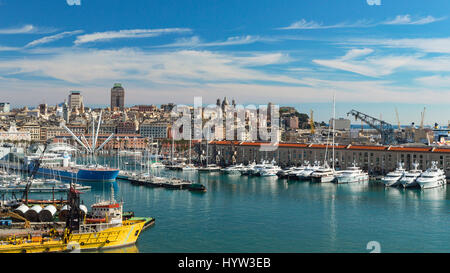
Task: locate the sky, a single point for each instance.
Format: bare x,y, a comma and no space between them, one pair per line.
375,55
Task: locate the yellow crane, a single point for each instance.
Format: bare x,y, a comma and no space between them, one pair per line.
11,214
311,123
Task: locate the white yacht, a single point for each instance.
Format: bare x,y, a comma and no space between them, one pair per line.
270,170
189,168
410,178
432,177
209,168
308,171
257,168
294,171
233,169
324,174
290,173
351,175
392,179
247,169
157,165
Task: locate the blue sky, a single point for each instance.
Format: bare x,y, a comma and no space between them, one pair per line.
375,57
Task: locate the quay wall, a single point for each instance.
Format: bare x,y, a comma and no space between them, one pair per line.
374,159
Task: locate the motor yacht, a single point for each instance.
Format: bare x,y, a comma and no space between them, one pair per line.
392,179
352,175
308,171
409,180
233,169
432,177
324,174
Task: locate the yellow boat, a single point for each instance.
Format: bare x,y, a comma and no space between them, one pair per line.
104,229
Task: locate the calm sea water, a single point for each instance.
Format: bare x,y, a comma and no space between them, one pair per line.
258,214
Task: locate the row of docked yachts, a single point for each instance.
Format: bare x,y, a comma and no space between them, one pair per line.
325,174
433,177
315,173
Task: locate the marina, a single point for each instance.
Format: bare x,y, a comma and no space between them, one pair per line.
270,194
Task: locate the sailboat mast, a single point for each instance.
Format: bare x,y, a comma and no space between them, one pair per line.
334,122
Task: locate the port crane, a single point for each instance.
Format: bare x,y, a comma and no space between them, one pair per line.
385,129
10,214
36,166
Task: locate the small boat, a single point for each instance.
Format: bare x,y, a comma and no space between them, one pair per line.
196,187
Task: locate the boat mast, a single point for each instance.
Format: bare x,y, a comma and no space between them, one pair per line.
334,122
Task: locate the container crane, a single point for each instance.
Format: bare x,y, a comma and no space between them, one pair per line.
385,129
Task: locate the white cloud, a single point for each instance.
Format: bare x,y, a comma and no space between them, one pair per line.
370,66
406,20
184,67
195,41
399,20
131,33
19,30
430,45
49,39
303,24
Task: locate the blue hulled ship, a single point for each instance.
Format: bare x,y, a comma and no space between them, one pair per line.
60,166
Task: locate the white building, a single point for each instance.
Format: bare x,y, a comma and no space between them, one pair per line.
5,107
156,130
14,135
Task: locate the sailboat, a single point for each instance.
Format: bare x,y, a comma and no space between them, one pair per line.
208,167
189,167
325,174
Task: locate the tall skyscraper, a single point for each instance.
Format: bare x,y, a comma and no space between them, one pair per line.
117,96
75,100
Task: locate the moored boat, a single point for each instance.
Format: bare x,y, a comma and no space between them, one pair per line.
409,180
351,175
432,177
392,179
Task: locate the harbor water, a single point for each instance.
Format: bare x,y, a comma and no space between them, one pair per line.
267,214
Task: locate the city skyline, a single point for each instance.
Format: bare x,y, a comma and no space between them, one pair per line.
375,57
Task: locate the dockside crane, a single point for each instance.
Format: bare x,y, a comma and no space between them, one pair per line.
36,166
385,129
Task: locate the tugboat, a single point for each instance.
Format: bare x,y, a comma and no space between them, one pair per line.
103,228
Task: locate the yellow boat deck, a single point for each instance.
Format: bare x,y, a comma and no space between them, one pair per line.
112,237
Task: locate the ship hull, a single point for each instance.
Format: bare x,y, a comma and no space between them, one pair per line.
114,237
84,175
